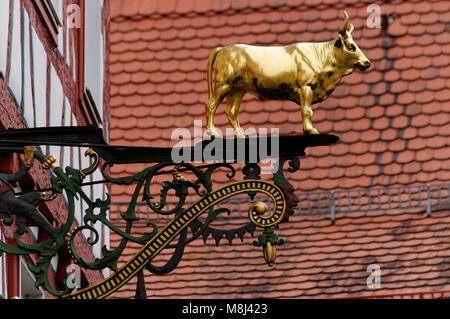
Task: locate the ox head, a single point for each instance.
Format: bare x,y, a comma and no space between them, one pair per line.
347,52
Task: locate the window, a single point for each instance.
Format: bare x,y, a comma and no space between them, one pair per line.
48,12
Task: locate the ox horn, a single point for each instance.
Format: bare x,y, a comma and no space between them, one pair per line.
351,28
344,27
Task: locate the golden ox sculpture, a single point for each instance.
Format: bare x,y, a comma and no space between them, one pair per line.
304,73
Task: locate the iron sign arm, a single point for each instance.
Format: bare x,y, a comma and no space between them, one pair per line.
70,182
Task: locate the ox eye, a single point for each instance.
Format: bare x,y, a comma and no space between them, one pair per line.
351,47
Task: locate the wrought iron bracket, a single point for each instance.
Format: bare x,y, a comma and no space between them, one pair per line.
184,227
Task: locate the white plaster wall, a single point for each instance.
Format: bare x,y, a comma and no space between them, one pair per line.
66,150
98,188
85,163
98,194
58,6
102,70
27,106
15,67
67,44
55,114
76,165
56,99
39,79
94,58
106,235
97,248
4,32
67,119
74,61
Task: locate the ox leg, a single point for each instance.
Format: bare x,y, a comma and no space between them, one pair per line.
234,102
306,96
211,105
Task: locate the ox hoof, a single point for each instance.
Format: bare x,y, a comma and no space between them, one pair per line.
240,135
213,132
311,131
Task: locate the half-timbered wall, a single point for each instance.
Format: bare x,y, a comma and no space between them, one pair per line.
52,73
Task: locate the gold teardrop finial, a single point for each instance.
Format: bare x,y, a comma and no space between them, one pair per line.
270,253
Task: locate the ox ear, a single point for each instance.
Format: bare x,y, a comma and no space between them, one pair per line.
338,43
352,27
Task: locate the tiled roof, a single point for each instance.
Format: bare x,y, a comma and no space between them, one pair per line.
392,121
319,260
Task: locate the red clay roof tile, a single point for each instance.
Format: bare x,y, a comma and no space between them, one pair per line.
184,7
391,121
146,8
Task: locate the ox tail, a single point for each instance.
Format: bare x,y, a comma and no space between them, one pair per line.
212,58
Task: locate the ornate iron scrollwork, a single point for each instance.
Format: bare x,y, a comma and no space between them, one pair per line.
184,226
